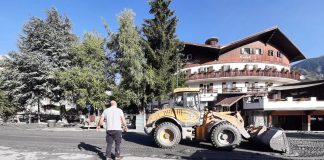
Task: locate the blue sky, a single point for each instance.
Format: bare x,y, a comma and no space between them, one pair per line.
229,20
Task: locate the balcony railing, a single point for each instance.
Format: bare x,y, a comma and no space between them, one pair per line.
232,90
236,90
239,73
257,89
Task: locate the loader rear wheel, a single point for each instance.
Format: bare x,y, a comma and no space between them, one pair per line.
167,135
225,136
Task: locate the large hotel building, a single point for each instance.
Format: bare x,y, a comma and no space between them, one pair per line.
252,66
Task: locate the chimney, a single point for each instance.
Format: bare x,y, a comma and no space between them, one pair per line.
213,41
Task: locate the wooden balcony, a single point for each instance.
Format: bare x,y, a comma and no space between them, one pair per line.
241,73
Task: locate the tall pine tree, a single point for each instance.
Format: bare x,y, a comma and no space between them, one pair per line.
44,49
163,49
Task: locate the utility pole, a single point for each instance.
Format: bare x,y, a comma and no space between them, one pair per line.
177,73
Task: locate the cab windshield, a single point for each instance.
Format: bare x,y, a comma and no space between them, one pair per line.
186,99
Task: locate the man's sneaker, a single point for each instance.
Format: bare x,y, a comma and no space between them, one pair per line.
119,158
109,158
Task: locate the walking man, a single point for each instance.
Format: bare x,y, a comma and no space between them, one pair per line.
115,119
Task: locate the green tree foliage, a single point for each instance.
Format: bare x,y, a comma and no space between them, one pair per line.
162,48
51,37
44,49
130,61
6,108
26,78
85,82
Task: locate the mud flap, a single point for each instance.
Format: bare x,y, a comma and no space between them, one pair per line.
273,138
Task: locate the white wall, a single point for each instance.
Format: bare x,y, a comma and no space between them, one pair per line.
46,101
288,104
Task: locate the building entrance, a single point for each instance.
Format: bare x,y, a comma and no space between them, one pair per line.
290,122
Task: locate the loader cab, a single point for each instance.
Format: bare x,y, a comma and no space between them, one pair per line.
186,98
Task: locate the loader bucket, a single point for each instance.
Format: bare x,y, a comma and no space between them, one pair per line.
273,138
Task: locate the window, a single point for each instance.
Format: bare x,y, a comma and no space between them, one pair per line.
247,84
224,85
246,51
201,86
255,85
210,89
257,51
189,56
210,69
270,52
278,54
202,70
206,88
226,68
255,66
234,85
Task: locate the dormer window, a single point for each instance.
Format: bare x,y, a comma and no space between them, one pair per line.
278,54
270,52
246,51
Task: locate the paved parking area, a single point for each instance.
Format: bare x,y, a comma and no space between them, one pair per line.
25,142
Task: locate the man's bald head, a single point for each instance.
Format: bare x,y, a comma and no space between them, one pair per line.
113,103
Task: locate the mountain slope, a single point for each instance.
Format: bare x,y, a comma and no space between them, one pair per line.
312,64
312,69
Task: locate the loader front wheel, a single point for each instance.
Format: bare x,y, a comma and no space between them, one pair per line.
167,135
225,136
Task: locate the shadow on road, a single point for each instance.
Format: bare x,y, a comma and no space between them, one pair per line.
139,138
145,140
244,145
203,150
92,148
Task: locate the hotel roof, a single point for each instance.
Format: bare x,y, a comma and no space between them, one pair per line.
273,36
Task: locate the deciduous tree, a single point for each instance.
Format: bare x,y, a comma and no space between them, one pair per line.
128,49
85,83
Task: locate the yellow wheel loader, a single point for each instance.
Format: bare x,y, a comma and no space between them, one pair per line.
185,118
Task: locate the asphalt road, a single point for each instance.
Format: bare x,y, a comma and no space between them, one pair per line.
48,144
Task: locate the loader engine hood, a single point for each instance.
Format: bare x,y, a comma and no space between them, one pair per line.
185,117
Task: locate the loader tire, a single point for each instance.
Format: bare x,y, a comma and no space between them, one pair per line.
167,135
225,136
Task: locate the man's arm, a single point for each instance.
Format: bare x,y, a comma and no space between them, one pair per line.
123,120
100,121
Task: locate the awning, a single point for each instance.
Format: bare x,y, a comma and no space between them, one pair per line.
280,88
227,102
